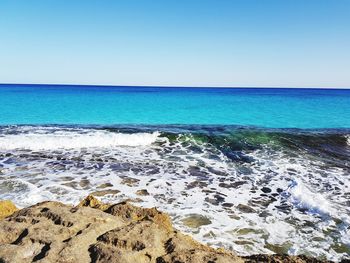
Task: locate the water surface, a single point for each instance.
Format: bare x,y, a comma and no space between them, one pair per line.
251,170
278,108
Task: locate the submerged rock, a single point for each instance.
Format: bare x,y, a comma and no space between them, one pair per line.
98,232
105,192
195,221
281,259
142,192
105,185
245,208
129,181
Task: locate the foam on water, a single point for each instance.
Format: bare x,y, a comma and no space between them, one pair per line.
277,201
305,198
38,140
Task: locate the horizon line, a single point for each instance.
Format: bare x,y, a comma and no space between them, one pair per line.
172,86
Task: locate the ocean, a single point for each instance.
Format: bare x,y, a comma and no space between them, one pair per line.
252,170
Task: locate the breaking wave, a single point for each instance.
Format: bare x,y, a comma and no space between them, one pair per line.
74,140
251,190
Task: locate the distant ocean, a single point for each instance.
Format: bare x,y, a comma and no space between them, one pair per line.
253,170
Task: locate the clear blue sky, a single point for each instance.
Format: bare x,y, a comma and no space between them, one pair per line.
289,43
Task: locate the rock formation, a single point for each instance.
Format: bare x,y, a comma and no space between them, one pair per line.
97,232
6,208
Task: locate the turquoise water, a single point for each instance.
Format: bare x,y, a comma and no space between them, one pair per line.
274,108
225,155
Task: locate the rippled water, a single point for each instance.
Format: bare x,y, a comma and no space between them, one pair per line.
274,108
248,189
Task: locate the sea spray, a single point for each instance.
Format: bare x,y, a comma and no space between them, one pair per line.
75,140
262,190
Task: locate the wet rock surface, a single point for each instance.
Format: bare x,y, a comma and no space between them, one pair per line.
282,259
98,232
142,192
195,221
105,192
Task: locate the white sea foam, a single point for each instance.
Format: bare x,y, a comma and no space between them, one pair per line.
303,197
348,139
184,177
74,140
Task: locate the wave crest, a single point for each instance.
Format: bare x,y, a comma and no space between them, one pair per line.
75,140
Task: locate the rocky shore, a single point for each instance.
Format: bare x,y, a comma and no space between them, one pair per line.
96,232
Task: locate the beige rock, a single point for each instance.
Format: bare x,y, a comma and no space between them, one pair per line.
92,202
97,232
131,213
7,208
54,231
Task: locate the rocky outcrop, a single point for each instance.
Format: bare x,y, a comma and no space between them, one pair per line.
7,208
97,232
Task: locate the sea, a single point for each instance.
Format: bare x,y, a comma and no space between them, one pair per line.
253,170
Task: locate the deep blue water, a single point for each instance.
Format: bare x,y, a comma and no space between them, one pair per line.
274,108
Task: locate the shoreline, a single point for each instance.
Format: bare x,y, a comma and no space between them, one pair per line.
94,231
249,191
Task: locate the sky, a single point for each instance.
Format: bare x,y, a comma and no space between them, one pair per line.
228,43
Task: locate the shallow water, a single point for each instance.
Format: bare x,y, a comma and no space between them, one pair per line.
252,190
